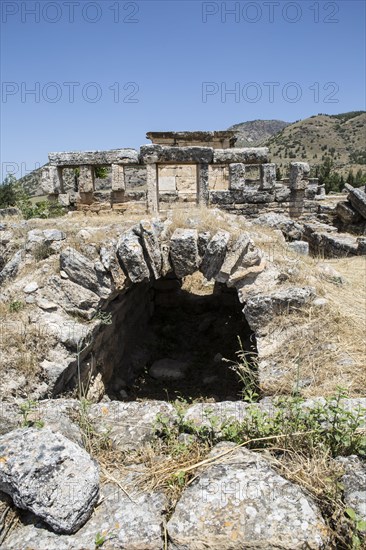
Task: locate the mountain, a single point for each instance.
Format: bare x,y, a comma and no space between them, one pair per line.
255,132
341,137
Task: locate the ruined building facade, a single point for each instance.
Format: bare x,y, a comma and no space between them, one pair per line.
201,168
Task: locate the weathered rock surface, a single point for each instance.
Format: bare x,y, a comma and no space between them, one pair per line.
117,156
131,256
11,267
249,155
73,298
49,475
82,271
241,502
130,521
346,213
233,258
298,176
215,254
261,309
357,198
129,425
354,484
184,251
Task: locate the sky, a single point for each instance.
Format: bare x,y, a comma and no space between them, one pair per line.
85,75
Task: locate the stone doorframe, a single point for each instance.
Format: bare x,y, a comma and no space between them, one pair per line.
153,155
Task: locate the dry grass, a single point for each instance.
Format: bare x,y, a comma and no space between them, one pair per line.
325,345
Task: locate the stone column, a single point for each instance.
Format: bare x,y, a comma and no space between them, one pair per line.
118,177
118,183
236,175
86,184
268,177
51,180
202,184
298,182
152,188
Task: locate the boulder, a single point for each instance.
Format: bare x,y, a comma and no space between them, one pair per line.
129,519
49,475
241,502
11,267
73,298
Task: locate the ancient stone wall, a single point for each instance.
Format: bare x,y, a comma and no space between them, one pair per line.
240,180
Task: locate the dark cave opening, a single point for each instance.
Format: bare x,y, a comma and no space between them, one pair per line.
169,342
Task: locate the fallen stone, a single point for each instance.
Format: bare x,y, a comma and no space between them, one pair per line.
184,251
31,287
241,502
300,247
357,198
52,235
346,213
110,262
125,520
49,475
11,268
168,369
215,254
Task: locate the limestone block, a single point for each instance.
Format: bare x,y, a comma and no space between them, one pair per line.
357,198
152,188
241,502
246,155
203,193
237,175
268,176
184,251
131,256
118,177
48,474
99,158
233,257
51,180
86,179
299,174
164,154
346,213
215,254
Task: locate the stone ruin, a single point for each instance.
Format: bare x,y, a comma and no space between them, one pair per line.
202,168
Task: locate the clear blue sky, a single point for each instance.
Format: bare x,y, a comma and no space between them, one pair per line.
169,50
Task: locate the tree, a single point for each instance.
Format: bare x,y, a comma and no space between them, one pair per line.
278,174
8,195
351,177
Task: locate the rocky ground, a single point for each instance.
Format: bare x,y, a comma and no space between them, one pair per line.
122,424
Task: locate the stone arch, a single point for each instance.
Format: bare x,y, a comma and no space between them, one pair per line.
152,251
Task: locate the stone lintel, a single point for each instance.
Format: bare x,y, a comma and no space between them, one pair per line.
94,158
246,155
153,154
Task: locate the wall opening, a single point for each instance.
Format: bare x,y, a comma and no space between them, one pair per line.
170,338
177,182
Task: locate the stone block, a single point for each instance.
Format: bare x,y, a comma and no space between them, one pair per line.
51,180
299,174
86,179
118,177
184,251
246,155
163,154
94,158
268,176
215,254
237,175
